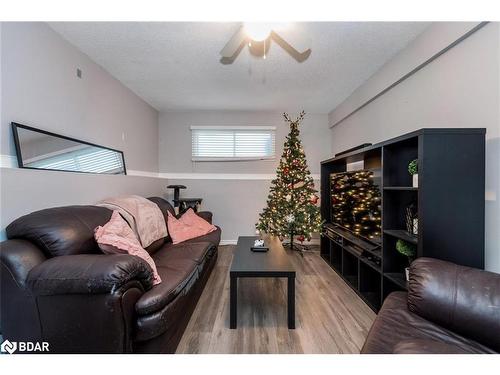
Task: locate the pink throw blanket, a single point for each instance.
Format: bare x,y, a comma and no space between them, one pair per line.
144,217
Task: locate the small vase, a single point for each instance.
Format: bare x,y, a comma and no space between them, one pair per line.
407,273
415,180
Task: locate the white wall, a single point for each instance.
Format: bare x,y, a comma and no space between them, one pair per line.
39,87
461,88
236,192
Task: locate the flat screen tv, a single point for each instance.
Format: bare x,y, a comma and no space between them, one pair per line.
355,200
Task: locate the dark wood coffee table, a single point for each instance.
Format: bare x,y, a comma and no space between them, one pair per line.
274,263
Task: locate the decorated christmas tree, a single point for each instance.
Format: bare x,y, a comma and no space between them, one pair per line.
292,202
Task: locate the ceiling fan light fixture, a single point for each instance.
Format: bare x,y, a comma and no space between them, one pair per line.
258,36
257,31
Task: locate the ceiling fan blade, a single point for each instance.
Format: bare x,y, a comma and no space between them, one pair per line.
234,45
299,55
230,60
296,38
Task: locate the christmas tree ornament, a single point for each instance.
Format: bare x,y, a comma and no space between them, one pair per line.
299,184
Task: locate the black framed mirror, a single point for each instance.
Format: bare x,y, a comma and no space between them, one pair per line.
40,149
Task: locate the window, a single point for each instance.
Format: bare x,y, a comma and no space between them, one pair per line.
221,143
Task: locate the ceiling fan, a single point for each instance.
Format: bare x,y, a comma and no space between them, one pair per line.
258,38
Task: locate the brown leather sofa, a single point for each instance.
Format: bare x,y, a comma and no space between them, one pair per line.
58,287
449,309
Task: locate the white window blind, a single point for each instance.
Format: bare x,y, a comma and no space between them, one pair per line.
221,143
88,159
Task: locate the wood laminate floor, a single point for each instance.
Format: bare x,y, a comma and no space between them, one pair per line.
330,317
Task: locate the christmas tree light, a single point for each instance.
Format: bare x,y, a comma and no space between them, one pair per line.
292,201
361,215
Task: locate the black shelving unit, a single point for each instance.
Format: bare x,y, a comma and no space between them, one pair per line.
450,201
403,235
405,188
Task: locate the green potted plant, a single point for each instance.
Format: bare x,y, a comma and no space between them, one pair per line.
413,170
409,250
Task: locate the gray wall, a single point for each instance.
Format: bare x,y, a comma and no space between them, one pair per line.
24,190
235,192
236,204
40,88
459,89
175,140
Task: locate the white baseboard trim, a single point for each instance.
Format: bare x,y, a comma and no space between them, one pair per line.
228,242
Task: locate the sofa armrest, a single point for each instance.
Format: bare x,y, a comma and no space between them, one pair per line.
207,215
88,274
422,346
19,257
462,299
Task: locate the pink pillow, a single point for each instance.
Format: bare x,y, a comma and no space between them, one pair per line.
187,227
116,237
192,219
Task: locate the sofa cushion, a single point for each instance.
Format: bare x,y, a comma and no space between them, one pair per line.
155,246
172,319
175,277
395,323
212,237
196,251
205,215
178,268
61,230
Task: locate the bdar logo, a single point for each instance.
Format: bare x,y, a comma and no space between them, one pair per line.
8,347
23,346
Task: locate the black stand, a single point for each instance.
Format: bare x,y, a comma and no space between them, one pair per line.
183,204
301,249
177,189
187,203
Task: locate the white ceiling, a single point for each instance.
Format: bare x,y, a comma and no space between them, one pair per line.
175,66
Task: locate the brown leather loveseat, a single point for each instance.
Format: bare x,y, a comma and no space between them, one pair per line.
58,287
449,309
